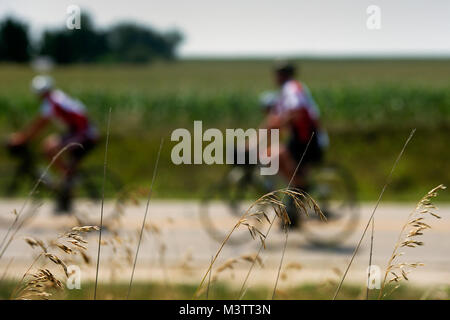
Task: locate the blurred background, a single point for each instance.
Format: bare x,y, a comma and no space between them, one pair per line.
160,65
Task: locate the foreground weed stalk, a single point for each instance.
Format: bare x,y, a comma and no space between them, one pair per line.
388,181
281,262
155,170
243,289
416,222
44,283
5,243
302,202
102,204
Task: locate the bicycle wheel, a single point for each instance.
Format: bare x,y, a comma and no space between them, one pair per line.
89,191
334,189
224,204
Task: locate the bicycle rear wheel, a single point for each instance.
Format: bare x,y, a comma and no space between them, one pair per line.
334,189
224,204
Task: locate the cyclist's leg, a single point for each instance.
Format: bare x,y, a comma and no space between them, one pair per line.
78,153
309,155
290,158
74,157
51,146
287,167
294,153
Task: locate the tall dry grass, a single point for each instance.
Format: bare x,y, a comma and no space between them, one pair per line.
372,221
22,216
272,201
42,282
409,237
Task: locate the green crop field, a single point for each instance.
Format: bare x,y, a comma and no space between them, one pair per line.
368,107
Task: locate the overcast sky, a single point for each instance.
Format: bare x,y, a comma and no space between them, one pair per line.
266,28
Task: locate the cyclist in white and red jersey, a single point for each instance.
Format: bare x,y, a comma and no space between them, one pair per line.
56,105
294,109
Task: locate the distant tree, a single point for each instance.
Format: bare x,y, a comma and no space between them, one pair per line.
74,46
173,39
14,41
125,42
129,42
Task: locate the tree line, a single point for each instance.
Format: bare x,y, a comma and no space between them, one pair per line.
124,42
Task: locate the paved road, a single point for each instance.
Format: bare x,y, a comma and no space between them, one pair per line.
176,248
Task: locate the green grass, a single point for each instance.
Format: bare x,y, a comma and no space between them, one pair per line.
368,107
221,291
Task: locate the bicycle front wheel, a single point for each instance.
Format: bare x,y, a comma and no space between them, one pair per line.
334,189
224,204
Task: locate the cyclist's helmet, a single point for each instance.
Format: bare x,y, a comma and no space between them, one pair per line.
285,67
41,84
267,100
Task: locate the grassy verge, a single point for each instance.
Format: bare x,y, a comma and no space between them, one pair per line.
158,291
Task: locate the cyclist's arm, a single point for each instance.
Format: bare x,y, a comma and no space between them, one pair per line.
291,100
275,121
30,132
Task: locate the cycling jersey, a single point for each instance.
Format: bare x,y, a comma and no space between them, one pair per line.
57,105
295,95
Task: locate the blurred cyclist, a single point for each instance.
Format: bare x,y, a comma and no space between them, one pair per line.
56,105
293,109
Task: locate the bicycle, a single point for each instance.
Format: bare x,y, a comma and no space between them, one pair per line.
19,179
331,186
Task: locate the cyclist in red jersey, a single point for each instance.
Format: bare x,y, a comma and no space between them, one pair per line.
56,105
294,110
